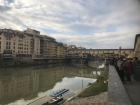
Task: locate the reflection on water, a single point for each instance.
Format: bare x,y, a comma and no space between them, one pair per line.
19,86
74,84
96,73
101,66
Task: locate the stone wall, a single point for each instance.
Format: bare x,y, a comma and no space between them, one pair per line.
116,91
137,46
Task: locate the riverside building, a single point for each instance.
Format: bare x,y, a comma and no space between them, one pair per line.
61,50
27,46
137,46
48,47
15,45
19,46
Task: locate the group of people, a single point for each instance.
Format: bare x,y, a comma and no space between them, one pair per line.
125,67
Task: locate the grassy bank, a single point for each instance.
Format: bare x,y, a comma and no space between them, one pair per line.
96,88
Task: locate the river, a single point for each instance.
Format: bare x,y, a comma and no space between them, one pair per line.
20,86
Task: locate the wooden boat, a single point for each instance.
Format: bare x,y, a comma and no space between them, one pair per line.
59,93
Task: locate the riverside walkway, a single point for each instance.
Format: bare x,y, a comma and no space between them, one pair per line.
117,94
133,90
123,94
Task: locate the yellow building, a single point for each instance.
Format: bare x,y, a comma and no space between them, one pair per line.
14,44
72,51
48,47
19,45
25,46
61,50
35,42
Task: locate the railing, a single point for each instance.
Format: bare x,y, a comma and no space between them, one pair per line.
116,91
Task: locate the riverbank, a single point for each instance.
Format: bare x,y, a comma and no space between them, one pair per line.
24,65
95,93
98,87
94,89
100,99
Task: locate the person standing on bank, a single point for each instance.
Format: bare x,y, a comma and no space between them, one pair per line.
128,71
123,69
120,69
135,62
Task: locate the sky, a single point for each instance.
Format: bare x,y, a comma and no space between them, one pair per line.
85,23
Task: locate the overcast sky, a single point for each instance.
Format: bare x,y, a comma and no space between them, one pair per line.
86,23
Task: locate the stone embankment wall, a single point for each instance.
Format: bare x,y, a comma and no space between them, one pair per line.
117,94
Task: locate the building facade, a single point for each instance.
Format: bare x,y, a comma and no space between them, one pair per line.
137,46
25,46
48,47
28,45
19,46
35,42
15,45
61,50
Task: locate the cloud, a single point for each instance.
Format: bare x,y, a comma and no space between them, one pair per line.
99,40
89,23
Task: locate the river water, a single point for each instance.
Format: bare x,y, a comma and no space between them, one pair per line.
20,86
